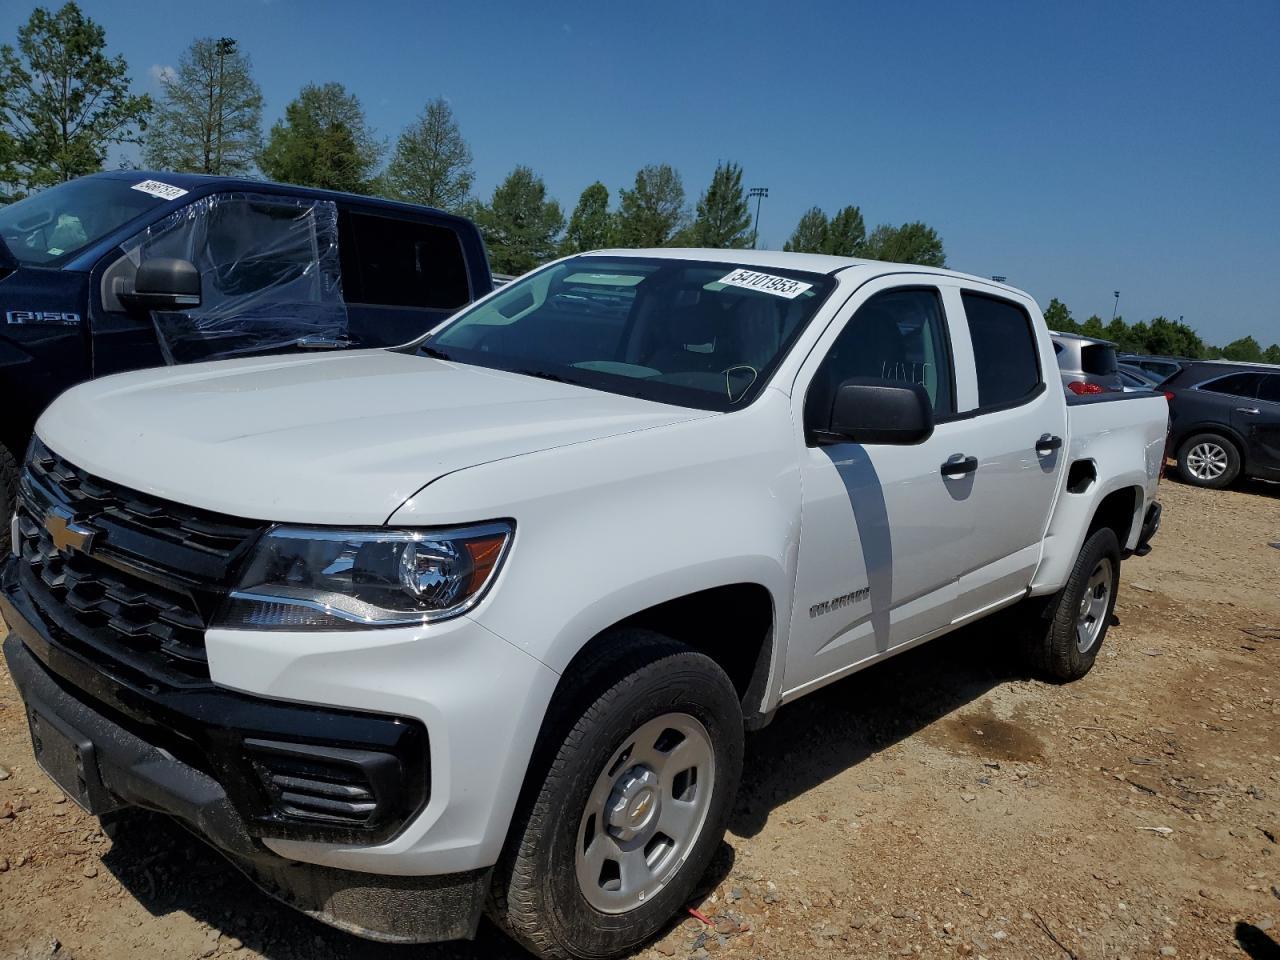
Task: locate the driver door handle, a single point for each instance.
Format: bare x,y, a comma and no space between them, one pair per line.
1251,411
1048,443
958,465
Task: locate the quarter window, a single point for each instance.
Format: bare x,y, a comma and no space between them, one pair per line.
402,263
899,336
1004,350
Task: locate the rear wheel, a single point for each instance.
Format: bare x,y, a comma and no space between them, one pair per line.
1208,460
8,494
631,807
1065,632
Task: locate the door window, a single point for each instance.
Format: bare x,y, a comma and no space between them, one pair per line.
1004,350
269,274
1234,385
402,263
898,336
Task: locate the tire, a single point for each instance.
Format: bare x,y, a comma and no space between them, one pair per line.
565,886
1065,632
1208,460
8,494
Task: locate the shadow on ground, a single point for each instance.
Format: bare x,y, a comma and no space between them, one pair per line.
1256,944
838,727
167,871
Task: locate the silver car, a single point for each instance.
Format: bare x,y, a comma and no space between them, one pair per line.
1087,365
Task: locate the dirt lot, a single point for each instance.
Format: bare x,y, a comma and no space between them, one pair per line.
940,805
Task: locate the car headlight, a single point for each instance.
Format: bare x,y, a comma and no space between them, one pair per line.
318,579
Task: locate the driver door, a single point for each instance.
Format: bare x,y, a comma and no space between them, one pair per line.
883,530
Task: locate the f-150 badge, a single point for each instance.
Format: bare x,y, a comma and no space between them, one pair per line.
42,316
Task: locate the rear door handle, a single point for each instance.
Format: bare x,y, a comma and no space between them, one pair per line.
958,465
1251,411
1048,443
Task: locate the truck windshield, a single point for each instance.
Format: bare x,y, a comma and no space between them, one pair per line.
50,227
691,332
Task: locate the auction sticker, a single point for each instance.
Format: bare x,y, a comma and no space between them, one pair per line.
766,283
164,191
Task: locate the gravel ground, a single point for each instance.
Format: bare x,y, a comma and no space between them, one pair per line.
940,805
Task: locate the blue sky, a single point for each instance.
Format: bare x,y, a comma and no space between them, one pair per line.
1076,148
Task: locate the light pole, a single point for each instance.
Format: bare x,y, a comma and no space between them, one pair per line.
759,193
1116,306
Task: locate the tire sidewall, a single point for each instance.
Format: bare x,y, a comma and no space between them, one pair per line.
1101,543
1233,460
681,686
8,494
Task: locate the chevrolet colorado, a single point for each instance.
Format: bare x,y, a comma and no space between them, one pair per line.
479,623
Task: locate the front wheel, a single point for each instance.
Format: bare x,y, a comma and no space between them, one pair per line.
631,806
1065,632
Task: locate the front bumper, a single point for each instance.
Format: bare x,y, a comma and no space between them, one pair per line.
204,753
114,768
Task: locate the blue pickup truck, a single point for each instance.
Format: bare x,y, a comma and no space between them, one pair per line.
130,269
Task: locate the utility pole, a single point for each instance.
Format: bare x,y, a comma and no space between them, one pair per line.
759,193
1116,306
226,47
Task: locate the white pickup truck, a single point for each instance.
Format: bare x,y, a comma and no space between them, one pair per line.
479,622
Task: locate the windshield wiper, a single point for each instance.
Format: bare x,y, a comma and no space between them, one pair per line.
322,343
434,352
544,375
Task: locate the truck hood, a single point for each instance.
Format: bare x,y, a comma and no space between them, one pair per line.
333,439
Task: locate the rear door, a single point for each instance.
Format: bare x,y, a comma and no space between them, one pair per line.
1259,423
401,275
1019,423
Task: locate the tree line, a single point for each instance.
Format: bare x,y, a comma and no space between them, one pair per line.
65,102
1159,336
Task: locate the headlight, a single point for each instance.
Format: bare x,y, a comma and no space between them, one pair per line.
316,579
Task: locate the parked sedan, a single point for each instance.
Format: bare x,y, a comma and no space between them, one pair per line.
1162,368
1224,421
1135,378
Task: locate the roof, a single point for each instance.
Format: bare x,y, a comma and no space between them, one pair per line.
785,260
1082,337
202,181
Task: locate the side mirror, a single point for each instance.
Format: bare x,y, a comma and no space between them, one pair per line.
164,283
877,411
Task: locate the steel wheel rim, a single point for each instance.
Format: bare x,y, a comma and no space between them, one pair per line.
645,813
1094,605
1207,461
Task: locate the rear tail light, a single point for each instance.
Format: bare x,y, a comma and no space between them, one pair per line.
1084,389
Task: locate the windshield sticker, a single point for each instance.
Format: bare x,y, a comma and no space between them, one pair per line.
164,191
766,283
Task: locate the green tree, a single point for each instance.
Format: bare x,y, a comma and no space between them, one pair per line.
1272,354
1172,338
847,234
1094,327
910,243
323,141
65,101
653,211
1059,318
810,234
432,163
591,225
520,224
723,218
210,116
1246,348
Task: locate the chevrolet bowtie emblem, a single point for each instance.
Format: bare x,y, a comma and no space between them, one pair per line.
65,533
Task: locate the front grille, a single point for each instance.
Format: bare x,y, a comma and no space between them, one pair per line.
146,578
